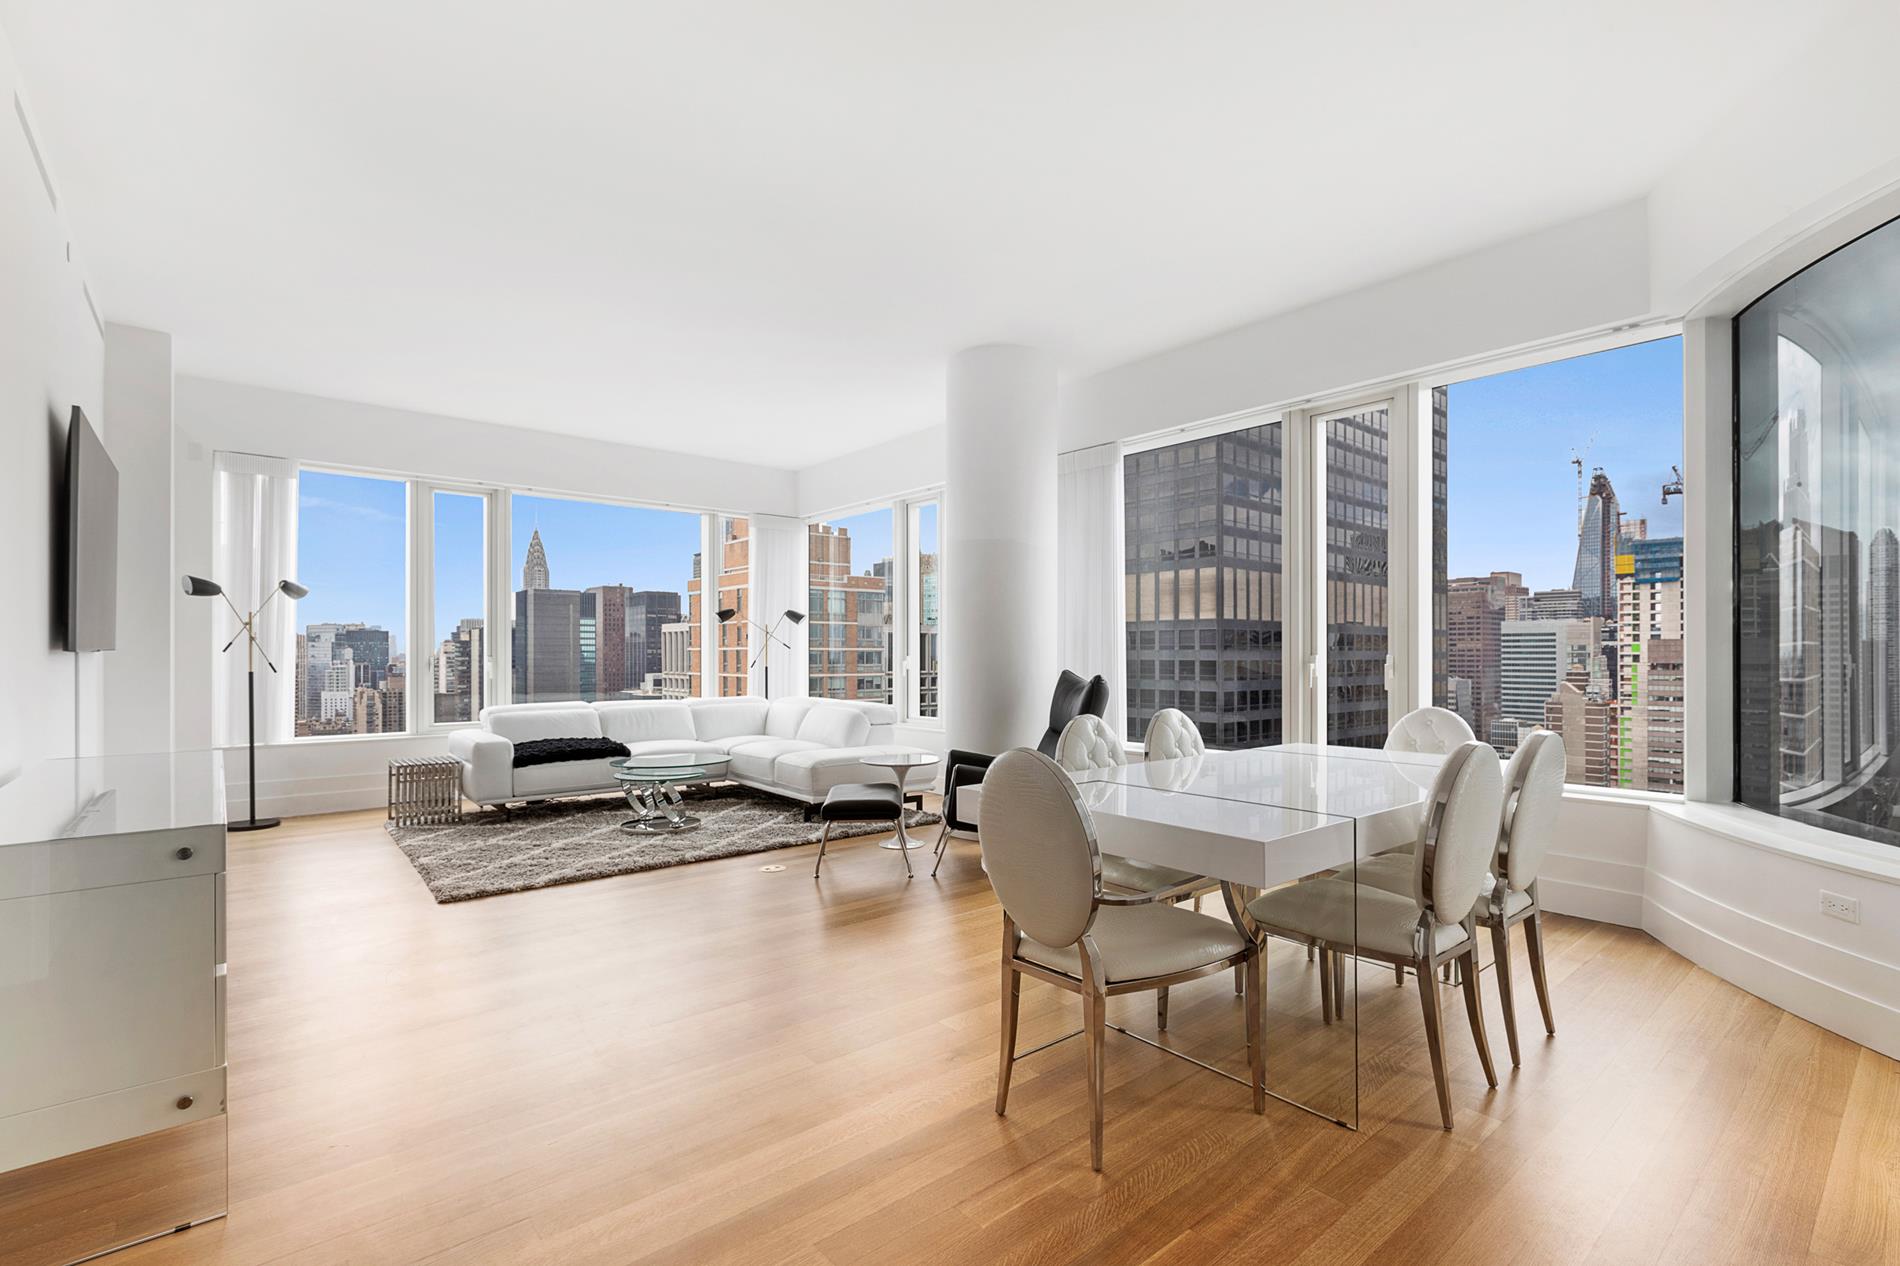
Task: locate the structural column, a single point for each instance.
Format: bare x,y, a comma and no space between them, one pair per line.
999,610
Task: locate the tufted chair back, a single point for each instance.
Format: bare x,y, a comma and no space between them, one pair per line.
1039,848
1435,731
1172,735
1459,839
1088,743
1533,795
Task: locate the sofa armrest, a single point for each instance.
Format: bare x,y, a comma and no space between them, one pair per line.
488,765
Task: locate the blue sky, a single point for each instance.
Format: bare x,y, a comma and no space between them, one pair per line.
1513,492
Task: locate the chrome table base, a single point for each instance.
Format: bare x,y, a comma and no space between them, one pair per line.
657,809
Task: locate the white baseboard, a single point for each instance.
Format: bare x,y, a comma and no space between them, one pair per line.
1736,946
1598,888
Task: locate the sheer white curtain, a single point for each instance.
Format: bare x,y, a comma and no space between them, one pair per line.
779,584
254,520
1089,570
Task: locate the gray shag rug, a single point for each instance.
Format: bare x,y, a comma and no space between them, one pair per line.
567,841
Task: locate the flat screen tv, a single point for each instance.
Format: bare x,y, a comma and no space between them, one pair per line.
92,540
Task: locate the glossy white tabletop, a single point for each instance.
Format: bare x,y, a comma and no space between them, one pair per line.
1343,782
1245,843
83,797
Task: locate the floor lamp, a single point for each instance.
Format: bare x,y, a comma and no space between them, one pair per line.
199,587
771,635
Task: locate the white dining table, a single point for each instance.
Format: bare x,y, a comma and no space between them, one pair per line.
1261,818
1264,816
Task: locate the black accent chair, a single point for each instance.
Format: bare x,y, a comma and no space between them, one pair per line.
1074,697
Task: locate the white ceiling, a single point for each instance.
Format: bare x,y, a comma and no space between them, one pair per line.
755,228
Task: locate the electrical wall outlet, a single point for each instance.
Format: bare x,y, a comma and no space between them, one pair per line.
1835,906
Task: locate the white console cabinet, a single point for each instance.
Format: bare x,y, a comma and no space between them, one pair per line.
112,1125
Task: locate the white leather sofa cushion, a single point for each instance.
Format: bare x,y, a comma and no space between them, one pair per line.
671,747
1137,942
835,727
562,778
810,774
573,721
755,760
715,719
636,721
782,718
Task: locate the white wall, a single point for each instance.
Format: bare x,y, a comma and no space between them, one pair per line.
907,463
138,675
51,358
326,775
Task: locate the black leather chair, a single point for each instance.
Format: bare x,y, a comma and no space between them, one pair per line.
1074,697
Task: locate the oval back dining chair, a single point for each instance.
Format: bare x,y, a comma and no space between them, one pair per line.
1431,923
1172,735
1060,926
1533,797
1435,731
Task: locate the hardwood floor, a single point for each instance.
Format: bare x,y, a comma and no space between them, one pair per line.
715,1064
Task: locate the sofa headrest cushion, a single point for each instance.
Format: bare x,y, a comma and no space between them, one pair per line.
834,727
578,721
638,721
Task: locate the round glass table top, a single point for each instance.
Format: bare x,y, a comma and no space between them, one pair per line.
668,767
901,760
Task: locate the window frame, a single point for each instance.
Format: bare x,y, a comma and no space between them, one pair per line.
1409,474
419,648
906,594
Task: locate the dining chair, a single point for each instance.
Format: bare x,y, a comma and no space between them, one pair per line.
1060,925
1435,731
1173,735
1089,743
1533,797
1430,924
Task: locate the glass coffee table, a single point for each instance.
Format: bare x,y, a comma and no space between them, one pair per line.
653,783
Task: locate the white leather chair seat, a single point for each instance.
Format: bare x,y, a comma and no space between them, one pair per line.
1323,908
757,759
970,803
1392,872
1139,942
1133,876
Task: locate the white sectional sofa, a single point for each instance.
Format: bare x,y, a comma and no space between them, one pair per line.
796,748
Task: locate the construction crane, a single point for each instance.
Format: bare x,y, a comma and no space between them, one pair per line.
1672,487
1576,459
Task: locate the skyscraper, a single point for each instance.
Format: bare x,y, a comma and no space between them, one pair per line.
1202,569
1476,608
1883,631
1535,656
614,672
534,572
648,612
1649,621
1597,537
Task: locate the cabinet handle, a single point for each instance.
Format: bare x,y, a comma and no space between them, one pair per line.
184,1101
183,854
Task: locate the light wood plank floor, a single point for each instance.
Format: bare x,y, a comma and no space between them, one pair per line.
715,1064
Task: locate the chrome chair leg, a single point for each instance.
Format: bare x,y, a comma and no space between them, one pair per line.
902,852
1534,943
1501,958
943,846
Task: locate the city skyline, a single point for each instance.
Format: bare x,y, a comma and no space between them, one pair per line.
1511,439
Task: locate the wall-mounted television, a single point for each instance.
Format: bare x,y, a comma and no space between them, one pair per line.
92,540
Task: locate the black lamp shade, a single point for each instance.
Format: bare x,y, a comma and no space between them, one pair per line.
292,589
796,617
199,587
726,613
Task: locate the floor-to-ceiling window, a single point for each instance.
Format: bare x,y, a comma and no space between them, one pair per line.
458,665
732,665
1564,606
852,588
1817,494
598,588
351,669
1357,591
926,575
1203,543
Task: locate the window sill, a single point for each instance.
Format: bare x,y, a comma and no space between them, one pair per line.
349,740
1806,843
1621,795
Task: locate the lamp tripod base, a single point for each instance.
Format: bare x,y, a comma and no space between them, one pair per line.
253,824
